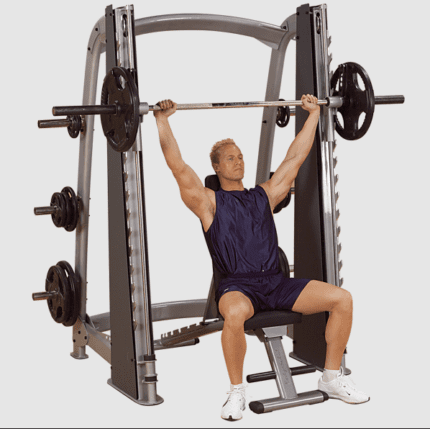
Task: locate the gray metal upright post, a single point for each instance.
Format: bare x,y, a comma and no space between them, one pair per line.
133,358
272,94
316,247
96,46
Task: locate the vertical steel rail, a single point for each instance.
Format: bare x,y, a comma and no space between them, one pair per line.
137,241
272,93
330,214
326,130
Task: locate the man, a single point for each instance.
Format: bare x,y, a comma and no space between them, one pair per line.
241,236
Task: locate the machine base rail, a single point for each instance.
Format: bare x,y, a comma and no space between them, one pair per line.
274,404
271,375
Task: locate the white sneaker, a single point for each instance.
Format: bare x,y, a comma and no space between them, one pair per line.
343,388
236,403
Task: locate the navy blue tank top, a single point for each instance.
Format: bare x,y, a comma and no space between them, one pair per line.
242,239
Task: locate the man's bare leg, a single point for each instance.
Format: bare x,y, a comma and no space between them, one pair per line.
236,309
318,297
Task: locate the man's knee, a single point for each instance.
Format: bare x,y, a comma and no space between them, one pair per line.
236,308
344,301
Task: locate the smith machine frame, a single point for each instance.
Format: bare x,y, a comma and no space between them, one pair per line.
130,349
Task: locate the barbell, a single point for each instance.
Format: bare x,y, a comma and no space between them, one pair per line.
121,110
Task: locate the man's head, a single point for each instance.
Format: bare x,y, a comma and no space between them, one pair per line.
227,160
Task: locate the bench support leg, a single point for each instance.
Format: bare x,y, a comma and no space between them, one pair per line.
288,396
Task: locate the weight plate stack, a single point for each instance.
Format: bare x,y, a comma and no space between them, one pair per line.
75,298
72,208
66,206
60,216
57,283
63,286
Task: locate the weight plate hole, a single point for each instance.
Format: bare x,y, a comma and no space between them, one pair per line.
360,82
361,120
59,312
120,82
340,119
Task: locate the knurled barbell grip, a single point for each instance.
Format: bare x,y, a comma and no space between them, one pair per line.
42,296
234,105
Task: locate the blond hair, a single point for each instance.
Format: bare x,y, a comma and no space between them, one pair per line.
217,148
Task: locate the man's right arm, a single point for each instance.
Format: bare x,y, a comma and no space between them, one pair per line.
193,193
302,144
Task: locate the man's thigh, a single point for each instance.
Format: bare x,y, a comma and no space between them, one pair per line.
318,297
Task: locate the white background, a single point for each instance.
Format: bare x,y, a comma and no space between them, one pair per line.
384,212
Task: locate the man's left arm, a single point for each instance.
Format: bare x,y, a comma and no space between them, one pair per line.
279,185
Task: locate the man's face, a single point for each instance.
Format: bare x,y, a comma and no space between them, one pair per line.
231,165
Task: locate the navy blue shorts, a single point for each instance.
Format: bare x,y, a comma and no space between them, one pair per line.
275,292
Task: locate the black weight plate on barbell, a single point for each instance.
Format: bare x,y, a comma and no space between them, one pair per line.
283,116
56,281
75,213
355,100
69,208
72,208
120,89
75,125
60,215
73,306
56,217
65,209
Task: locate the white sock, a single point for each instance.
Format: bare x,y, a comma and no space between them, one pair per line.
237,386
329,375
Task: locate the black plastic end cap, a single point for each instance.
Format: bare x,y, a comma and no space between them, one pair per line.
325,395
256,407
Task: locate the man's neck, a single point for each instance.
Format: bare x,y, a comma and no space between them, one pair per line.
230,186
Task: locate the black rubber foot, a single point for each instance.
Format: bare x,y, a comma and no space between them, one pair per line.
325,395
256,407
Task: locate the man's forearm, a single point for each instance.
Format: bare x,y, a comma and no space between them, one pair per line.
302,144
169,145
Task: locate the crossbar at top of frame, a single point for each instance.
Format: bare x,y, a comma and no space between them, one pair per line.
269,34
